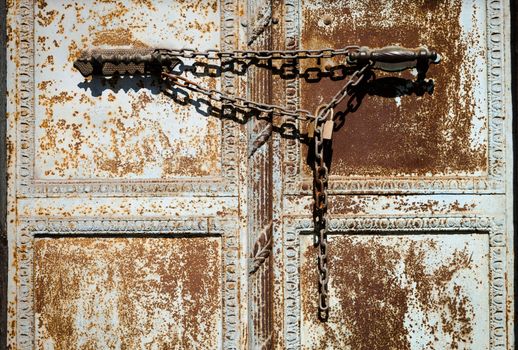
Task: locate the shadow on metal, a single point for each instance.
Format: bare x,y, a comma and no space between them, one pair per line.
388,87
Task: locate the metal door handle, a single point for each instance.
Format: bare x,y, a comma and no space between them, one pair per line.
393,58
108,62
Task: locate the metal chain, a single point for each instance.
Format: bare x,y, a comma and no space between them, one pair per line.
239,102
320,194
320,169
390,58
259,55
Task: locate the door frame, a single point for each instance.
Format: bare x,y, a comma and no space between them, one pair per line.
3,176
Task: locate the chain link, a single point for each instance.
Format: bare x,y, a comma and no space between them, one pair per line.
320,193
238,102
259,55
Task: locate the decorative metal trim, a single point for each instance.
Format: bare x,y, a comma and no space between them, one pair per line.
493,182
261,23
28,186
494,226
262,248
226,229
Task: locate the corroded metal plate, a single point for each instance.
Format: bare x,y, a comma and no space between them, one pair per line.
123,128
399,292
128,293
394,132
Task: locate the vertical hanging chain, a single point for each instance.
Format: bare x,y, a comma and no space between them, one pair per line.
320,184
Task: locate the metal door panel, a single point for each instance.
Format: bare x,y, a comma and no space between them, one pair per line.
91,134
441,133
411,175
409,291
126,223
418,142
92,131
128,293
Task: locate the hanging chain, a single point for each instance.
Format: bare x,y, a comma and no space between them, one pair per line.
238,102
321,139
320,168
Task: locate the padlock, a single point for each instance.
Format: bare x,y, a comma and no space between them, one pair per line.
327,132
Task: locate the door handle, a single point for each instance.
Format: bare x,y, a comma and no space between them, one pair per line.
108,62
393,58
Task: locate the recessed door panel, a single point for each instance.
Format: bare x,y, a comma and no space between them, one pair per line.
128,293
424,291
120,128
397,129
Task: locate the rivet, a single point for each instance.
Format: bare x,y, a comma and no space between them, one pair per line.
327,20
275,20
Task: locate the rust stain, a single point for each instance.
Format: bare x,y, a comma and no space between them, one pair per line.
73,51
116,37
429,206
418,135
44,84
377,285
48,141
351,204
457,207
128,292
147,3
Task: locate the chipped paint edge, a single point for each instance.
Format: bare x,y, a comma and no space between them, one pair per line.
28,186
493,182
493,226
226,229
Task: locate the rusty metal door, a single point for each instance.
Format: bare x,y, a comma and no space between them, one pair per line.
124,205
421,237
138,220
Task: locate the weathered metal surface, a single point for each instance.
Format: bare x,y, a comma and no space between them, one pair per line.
119,195
103,174
399,292
128,293
419,201
395,132
119,129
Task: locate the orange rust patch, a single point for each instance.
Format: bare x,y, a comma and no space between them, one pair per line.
48,141
116,37
147,3
47,18
417,135
73,52
44,84
379,289
350,204
100,293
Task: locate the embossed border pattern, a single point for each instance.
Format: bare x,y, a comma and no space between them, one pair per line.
226,229
494,226
493,182
29,187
